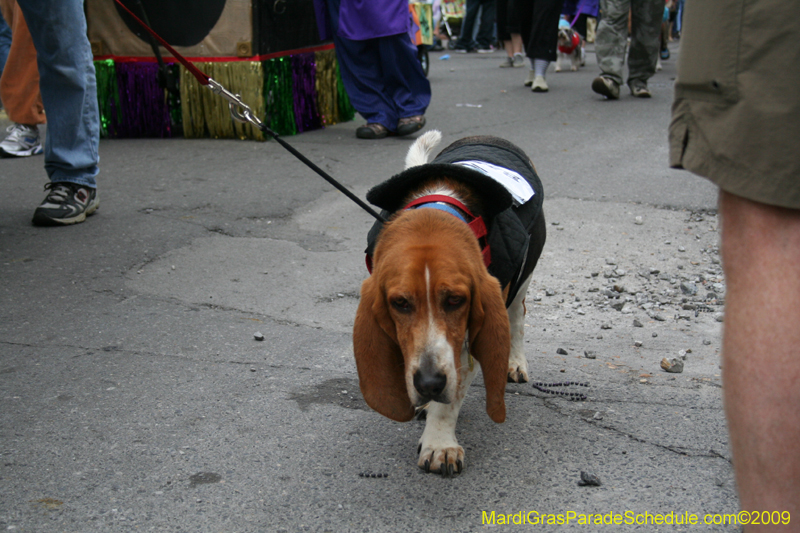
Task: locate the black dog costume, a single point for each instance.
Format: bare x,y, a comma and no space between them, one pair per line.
516,226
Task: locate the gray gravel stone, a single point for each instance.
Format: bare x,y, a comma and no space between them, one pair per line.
689,288
674,365
589,480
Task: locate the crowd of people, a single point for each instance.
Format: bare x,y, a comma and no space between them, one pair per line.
382,75
632,30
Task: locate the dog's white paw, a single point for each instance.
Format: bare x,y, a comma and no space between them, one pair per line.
445,458
517,368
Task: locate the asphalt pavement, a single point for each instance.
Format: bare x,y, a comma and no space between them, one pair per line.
135,397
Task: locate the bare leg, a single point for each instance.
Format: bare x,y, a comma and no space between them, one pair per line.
761,353
507,47
516,43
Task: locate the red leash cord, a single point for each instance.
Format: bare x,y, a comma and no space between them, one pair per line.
196,72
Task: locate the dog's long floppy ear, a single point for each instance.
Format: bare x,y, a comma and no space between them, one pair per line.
490,342
381,370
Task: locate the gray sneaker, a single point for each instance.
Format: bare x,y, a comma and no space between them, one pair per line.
507,63
606,86
519,60
22,141
639,89
66,203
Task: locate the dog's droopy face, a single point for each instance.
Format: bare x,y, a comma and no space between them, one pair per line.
428,296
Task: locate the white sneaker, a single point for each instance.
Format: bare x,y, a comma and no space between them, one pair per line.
539,85
530,78
21,141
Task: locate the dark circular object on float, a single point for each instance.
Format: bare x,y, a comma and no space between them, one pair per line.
179,22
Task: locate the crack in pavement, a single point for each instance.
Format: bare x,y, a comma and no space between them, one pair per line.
679,450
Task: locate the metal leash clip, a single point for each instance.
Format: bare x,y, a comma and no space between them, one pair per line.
240,111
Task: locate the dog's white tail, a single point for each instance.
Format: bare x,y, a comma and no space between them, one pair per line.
421,150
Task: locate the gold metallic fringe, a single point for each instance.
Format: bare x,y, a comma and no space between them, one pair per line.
207,114
327,94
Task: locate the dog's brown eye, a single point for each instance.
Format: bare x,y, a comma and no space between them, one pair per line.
454,302
402,305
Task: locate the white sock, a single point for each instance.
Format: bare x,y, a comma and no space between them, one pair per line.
540,66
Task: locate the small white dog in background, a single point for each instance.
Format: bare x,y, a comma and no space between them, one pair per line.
570,44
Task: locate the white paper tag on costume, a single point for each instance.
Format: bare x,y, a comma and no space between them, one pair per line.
519,188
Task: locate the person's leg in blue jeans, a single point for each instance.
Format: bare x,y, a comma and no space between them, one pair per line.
69,92
5,42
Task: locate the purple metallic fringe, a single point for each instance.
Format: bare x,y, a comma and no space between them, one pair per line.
143,107
304,73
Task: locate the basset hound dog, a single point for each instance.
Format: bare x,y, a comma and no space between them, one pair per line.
446,295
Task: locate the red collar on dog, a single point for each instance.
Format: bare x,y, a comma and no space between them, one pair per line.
476,224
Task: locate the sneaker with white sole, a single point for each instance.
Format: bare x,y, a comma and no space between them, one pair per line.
66,203
507,63
22,141
539,85
519,60
530,78
639,89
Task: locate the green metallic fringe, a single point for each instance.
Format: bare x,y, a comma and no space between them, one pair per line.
279,95
346,110
107,96
267,87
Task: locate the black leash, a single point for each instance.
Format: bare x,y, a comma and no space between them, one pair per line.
319,171
241,112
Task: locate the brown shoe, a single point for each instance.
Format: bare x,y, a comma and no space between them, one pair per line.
372,130
407,126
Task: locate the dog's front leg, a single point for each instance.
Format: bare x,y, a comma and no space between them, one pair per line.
438,447
558,61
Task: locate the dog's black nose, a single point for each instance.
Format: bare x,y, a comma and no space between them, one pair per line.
429,385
